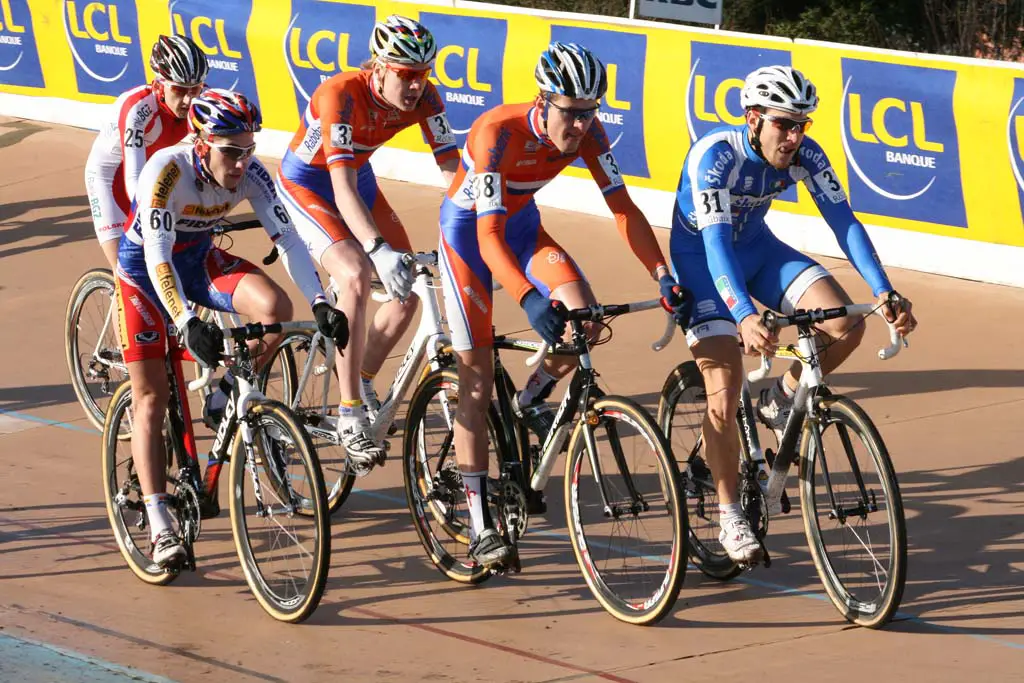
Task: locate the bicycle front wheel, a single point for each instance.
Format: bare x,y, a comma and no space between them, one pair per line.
298,376
857,535
627,520
279,513
91,345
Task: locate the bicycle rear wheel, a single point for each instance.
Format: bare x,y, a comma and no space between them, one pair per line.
638,580
681,411
285,555
122,493
91,345
860,545
282,380
433,482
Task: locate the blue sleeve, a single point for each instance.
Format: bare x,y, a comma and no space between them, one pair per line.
831,200
726,271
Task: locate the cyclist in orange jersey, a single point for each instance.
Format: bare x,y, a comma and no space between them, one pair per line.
490,225
331,192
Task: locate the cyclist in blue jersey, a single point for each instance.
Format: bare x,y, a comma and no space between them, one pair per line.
723,252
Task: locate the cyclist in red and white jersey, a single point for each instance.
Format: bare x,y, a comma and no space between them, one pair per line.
145,119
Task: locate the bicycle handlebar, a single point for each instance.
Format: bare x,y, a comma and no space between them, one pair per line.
598,312
775,321
247,332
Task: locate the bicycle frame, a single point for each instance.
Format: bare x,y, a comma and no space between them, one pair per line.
429,337
812,384
574,403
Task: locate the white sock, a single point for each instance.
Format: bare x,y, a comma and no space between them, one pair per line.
475,484
784,391
157,513
729,511
538,386
219,398
351,414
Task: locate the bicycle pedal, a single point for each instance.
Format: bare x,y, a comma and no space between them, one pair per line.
209,509
393,429
785,504
535,503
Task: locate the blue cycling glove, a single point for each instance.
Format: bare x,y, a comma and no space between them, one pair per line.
547,317
676,299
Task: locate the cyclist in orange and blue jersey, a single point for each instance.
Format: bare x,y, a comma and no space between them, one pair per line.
329,187
491,228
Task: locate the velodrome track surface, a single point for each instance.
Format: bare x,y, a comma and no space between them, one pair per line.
950,408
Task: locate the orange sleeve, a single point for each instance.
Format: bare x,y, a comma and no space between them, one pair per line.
336,107
434,123
631,222
487,149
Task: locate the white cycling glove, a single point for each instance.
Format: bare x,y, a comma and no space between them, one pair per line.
392,270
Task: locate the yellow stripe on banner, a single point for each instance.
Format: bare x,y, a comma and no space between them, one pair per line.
154,21
268,50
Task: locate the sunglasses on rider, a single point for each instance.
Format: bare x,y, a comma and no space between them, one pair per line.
234,152
183,90
582,114
786,124
408,75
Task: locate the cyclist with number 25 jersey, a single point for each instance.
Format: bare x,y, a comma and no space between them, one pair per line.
147,119
723,252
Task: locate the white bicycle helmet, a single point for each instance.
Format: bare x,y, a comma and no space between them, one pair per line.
779,87
571,70
402,41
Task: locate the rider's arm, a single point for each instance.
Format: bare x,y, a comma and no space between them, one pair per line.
709,172
438,132
132,121
489,193
828,194
271,213
156,216
338,124
633,225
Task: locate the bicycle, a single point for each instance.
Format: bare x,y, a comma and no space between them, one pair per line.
258,437
595,430
306,360
94,358
832,498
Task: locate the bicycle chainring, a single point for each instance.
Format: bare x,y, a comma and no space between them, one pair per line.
513,515
186,504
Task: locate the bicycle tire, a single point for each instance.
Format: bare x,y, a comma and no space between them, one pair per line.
631,610
294,345
92,281
839,410
141,565
418,489
264,415
706,554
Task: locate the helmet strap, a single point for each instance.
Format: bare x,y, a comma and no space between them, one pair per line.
755,138
544,112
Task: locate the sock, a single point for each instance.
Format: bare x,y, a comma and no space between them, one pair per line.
784,391
219,398
475,484
367,376
350,411
157,513
729,511
538,387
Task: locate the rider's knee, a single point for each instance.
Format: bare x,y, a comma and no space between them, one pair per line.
722,406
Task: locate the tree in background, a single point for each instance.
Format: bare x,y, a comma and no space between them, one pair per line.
990,29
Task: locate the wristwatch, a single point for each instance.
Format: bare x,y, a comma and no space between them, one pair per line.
372,245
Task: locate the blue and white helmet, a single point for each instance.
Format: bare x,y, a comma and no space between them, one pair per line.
571,70
223,112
